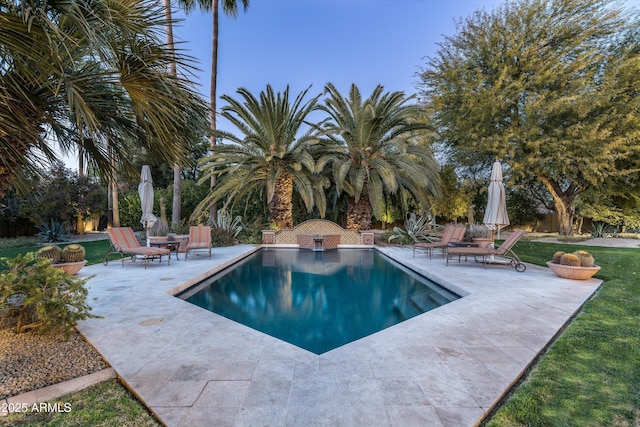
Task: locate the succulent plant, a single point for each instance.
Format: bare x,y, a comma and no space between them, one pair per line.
55,231
54,253
586,259
73,253
557,256
570,260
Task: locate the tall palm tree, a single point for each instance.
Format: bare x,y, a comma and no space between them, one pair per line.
90,75
229,8
374,151
176,211
269,154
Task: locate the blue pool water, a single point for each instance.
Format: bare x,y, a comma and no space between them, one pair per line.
318,300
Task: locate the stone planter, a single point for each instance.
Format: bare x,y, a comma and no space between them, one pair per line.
570,272
72,268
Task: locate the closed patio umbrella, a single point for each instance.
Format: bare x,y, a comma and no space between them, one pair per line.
495,216
145,189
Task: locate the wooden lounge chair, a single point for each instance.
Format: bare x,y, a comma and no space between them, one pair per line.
199,238
452,233
124,242
505,251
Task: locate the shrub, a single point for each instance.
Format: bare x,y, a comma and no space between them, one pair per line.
182,227
221,237
479,231
41,296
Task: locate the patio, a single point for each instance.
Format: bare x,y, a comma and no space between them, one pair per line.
446,367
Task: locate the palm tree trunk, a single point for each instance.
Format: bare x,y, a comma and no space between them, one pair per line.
280,206
359,214
176,211
115,209
213,209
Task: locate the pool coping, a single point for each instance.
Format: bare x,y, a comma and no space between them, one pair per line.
449,366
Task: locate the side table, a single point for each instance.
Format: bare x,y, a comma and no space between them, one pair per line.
172,245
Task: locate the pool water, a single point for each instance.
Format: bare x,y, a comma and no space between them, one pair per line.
318,300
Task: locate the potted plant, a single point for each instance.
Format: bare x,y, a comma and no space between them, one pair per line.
480,234
70,259
578,265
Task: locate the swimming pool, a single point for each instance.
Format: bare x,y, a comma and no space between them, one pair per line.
318,300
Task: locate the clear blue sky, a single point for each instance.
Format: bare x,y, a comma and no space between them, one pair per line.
303,42
312,42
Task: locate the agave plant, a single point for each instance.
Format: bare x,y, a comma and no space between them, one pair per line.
416,228
55,231
226,222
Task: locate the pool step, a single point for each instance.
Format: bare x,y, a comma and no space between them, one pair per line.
425,301
405,308
419,303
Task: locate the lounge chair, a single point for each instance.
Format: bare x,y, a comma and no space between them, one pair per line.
124,242
199,238
504,250
452,233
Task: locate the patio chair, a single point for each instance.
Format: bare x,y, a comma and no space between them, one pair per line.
452,233
124,242
199,238
504,250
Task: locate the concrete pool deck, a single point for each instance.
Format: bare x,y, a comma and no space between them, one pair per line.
446,367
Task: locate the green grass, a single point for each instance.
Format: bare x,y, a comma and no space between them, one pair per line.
590,376
106,404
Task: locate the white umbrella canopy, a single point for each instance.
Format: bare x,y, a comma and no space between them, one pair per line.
145,190
495,216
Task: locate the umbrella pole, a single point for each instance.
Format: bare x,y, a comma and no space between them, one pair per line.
493,244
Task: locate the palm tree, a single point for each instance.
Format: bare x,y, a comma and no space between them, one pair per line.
176,211
90,77
269,155
374,150
229,8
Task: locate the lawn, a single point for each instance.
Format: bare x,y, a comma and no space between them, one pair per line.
588,376
106,404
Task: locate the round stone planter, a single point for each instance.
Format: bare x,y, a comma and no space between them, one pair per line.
71,267
570,272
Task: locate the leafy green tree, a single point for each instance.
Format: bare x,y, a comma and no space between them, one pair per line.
268,154
373,151
454,205
548,86
90,78
63,195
